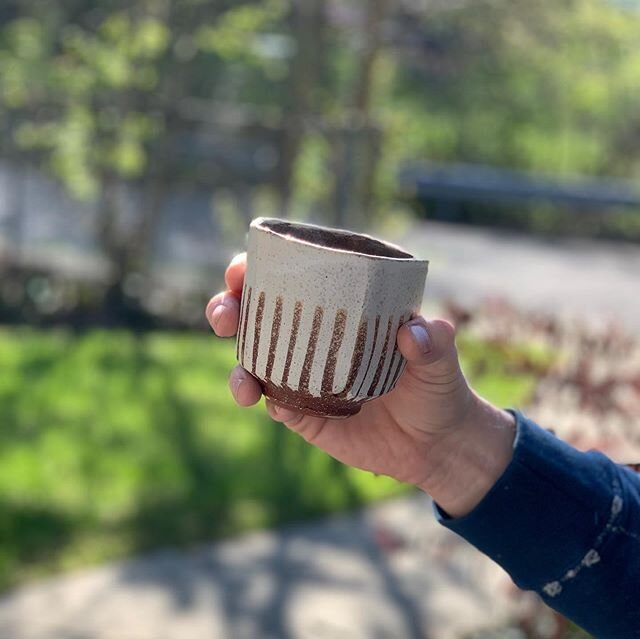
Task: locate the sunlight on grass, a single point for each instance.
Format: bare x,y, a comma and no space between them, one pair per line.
114,442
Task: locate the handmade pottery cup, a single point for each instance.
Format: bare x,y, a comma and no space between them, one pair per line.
320,312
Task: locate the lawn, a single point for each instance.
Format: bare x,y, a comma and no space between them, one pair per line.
113,442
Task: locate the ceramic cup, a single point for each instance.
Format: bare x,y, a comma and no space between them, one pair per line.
320,312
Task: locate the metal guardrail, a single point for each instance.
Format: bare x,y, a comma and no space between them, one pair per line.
468,182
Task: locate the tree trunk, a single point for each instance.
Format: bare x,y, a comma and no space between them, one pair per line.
358,144
127,254
309,20
114,301
372,38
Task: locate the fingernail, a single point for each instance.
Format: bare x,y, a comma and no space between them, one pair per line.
421,336
216,314
236,382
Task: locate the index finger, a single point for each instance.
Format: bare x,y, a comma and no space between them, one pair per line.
234,275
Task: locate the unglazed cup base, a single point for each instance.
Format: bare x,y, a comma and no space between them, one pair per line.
320,312
328,406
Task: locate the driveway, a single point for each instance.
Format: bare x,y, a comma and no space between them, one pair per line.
582,278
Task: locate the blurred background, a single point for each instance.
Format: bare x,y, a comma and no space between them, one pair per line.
498,138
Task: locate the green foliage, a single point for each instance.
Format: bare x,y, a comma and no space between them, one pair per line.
109,91
73,89
22,51
544,86
312,178
114,442
233,35
91,95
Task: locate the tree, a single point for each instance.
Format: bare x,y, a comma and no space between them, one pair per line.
161,92
542,85
101,93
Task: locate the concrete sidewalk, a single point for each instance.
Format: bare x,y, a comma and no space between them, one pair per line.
582,278
390,572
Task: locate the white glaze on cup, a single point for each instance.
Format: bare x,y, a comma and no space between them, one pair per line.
318,323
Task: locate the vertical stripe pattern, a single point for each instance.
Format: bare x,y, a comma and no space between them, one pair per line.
374,343
336,341
356,360
399,369
257,330
297,313
311,349
245,324
243,301
388,383
383,356
305,346
275,334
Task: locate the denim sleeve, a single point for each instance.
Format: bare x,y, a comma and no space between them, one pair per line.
565,524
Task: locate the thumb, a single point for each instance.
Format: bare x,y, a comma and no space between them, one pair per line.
429,347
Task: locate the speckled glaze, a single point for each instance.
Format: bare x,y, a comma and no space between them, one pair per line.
320,312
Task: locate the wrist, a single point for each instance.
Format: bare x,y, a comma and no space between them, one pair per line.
467,461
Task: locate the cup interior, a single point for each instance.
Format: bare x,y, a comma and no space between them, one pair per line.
334,239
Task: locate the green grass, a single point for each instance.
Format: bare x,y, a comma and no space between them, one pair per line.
111,443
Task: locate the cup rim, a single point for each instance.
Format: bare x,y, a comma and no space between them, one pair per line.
259,223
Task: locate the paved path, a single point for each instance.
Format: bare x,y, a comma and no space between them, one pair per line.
392,572
574,277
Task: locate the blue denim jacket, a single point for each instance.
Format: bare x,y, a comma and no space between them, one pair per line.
565,524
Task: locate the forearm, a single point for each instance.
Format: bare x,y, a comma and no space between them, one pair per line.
468,461
563,523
